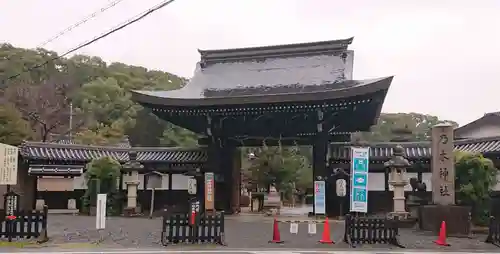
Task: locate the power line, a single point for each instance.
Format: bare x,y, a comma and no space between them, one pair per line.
95,39
75,25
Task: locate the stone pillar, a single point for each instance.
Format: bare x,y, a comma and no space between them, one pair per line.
397,178
132,183
443,165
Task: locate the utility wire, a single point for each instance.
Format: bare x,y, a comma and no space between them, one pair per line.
73,26
95,39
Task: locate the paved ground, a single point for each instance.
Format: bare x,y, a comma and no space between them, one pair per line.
261,251
242,232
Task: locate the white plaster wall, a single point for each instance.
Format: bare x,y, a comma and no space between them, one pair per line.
79,183
376,182
426,178
482,132
179,182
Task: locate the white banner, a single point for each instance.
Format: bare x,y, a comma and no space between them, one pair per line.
100,216
294,228
319,197
311,228
8,164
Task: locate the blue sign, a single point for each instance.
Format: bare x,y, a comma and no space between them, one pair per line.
359,179
319,197
360,164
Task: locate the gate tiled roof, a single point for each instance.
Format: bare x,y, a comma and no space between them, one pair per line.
70,152
416,150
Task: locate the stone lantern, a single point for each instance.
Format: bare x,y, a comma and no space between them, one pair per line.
132,167
398,179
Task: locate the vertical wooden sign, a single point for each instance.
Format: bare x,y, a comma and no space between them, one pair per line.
209,191
443,165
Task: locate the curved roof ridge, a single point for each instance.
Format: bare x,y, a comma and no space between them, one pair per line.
476,140
73,146
275,50
106,148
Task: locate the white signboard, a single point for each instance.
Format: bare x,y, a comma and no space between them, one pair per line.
100,216
359,179
294,228
8,164
341,187
311,228
192,185
319,197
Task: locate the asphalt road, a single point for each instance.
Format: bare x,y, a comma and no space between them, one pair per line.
239,251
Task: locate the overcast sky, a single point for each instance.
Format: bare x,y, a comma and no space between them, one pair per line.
445,54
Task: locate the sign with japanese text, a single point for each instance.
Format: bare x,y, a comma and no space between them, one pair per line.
341,187
319,197
443,165
192,185
359,179
8,164
209,191
100,216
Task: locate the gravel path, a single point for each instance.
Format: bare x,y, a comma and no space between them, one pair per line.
241,232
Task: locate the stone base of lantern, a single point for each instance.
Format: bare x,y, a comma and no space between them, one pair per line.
130,211
399,215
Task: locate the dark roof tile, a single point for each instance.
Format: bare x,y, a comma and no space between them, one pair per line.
416,150
63,170
69,152
249,73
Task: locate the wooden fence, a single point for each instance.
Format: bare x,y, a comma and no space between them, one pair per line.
24,224
494,232
182,228
371,231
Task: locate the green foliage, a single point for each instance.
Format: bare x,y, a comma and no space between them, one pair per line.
285,168
173,136
101,177
100,94
13,129
419,124
475,177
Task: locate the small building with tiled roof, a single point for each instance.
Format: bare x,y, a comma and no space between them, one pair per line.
56,170
486,126
418,153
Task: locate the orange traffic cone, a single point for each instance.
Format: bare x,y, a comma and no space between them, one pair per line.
442,235
276,233
326,238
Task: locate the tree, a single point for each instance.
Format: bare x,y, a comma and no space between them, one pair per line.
146,121
13,128
101,134
46,106
176,136
475,178
99,93
101,177
284,168
106,102
419,124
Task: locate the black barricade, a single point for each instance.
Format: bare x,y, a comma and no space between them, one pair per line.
178,228
24,224
371,231
493,232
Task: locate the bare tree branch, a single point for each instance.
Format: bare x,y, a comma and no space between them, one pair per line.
45,106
